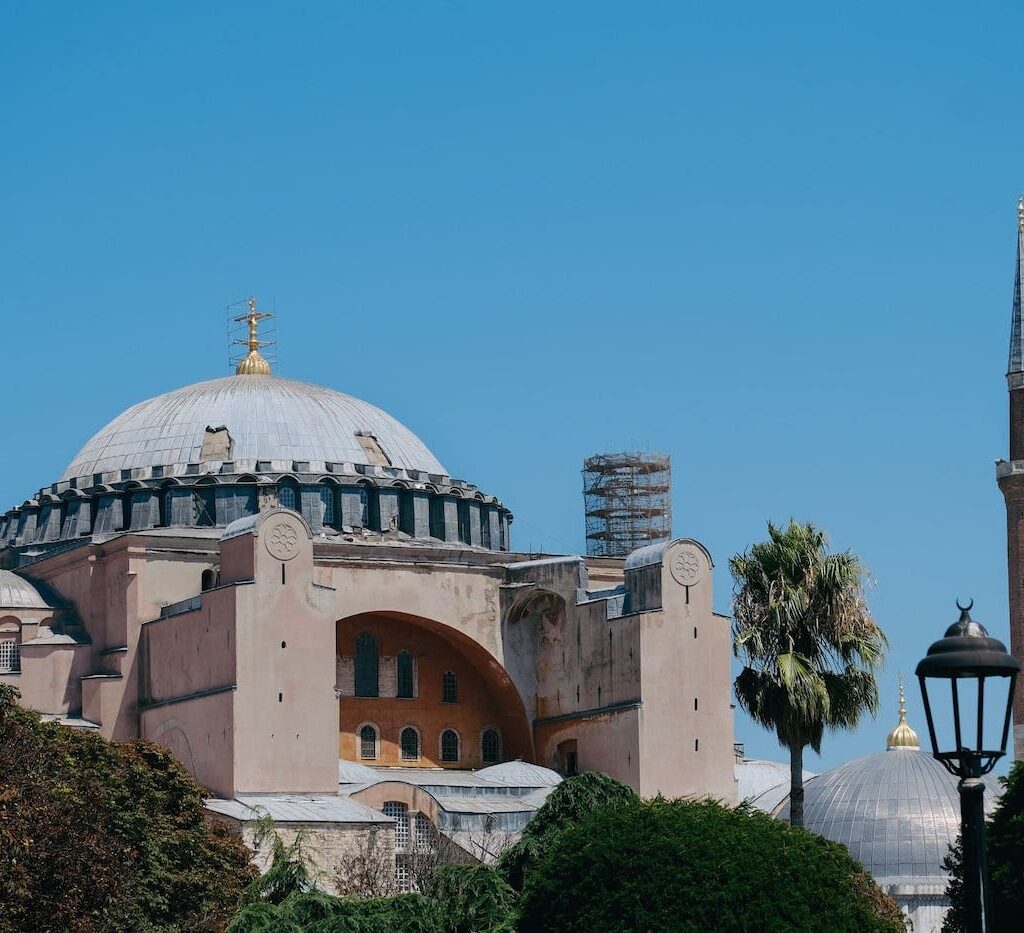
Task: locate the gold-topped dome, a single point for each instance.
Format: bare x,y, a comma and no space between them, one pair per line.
902,736
254,363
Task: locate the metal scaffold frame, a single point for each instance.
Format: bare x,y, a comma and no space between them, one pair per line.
628,501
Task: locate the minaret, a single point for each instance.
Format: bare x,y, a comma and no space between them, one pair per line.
1010,476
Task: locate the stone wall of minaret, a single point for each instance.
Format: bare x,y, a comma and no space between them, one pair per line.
1010,476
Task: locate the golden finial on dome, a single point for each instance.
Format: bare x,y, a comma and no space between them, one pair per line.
902,736
253,363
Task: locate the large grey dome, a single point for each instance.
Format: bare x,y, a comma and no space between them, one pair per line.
896,811
267,418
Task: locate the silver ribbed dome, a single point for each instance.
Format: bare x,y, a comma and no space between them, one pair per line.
17,593
897,812
267,417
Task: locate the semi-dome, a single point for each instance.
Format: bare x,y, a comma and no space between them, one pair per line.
17,593
267,418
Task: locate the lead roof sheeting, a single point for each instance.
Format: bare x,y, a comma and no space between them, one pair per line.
268,418
297,808
896,811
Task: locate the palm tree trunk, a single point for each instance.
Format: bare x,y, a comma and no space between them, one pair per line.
796,786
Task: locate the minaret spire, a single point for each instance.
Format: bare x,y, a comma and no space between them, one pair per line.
1016,363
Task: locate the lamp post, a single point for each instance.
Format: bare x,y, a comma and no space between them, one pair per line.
967,655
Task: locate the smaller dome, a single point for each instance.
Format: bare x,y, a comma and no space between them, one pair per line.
17,593
902,736
521,774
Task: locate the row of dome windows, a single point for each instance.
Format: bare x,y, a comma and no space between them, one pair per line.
409,744
418,514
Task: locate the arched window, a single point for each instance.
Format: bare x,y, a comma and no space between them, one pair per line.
449,745
366,665
286,497
449,688
410,742
405,679
399,812
10,647
368,741
208,580
327,504
490,746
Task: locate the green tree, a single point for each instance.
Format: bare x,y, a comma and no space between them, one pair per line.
572,800
97,835
1004,838
808,643
677,865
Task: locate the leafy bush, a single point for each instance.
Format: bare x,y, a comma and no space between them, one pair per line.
698,866
571,801
96,835
314,912
474,898
461,899
1004,838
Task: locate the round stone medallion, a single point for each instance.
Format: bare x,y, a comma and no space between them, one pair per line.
283,541
686,566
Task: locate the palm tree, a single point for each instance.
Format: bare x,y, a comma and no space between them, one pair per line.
809,645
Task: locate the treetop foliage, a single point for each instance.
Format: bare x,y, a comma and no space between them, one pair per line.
96,835
698,866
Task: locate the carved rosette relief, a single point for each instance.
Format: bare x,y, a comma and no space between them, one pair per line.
283,541
686,566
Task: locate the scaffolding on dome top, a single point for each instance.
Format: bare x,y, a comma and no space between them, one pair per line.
628,501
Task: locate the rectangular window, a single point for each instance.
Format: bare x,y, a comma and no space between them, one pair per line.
485,527
10,656
399,812
403,873
405,675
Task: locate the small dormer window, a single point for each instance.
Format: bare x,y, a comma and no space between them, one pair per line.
372,448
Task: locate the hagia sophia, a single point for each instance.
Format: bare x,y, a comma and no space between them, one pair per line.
276,581
285,586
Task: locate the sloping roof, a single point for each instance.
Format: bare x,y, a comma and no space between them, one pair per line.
297,808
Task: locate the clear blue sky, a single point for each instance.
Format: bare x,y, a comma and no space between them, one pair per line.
777,243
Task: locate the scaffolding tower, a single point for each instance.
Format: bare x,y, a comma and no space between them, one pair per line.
628,501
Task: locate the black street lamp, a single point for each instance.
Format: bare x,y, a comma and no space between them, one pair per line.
967,656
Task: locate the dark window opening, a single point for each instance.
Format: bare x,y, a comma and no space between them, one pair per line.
410,743
287,496
449,745
449,688
366,665
367,742
405,679
490,746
